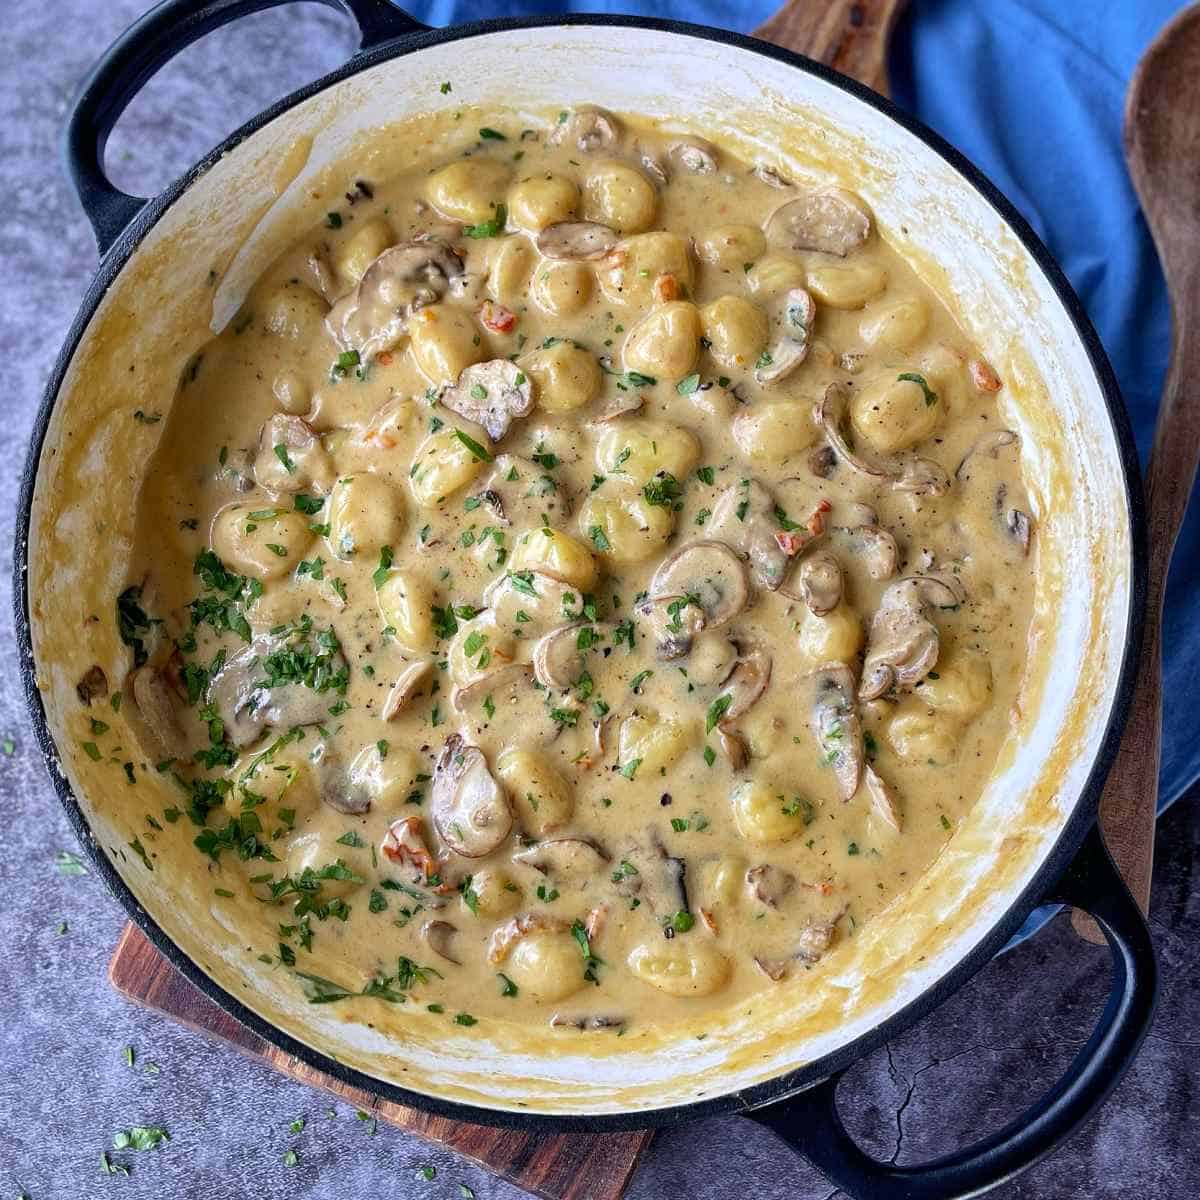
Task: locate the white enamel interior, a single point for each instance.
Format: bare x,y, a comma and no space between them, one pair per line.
157,312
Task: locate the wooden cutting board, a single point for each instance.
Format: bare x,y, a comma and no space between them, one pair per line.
852,36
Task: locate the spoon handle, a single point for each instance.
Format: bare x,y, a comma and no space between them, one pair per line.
1129,802
852,36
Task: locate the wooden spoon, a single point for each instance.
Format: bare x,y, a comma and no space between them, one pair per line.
1162,147
852,36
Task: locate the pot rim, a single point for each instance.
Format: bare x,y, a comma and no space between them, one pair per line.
787,1083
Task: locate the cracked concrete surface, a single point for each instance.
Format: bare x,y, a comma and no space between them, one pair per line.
65,1087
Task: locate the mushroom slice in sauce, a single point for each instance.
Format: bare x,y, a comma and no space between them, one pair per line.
344,794
509,676
1017,523
492,394
404,843
557,658
675,623
513,930
569,860
92,685
439,936
903,644
770,176
882,800
799,311
837,727
833,222
589,128
816,937
517,491
655,878
744,518
158,706
694,154
875,545
821,582
769,885
595,1021
576,240
747,683
468,807
374,315
291,457
407,686
248,707
651,160
734,746
906,472
773,968
712,573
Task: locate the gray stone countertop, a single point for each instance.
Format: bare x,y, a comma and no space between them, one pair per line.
65,1086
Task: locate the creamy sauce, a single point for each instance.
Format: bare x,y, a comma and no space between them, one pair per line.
634,694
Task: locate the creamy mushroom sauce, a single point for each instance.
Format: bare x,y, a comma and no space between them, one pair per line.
585,582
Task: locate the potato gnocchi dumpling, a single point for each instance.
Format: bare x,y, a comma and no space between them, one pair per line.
637,451
263,547
617,600
623,525
469,190
365,514
565,376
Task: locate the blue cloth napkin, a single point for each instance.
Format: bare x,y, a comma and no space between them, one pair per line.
1033,92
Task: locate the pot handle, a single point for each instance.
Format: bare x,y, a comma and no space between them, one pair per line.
137,54
809,1120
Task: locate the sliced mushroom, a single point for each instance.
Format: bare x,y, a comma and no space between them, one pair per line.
905,471
542,598
158,705
595,1021
653,877
1020,526
991,444
621,405
439,937
589,128
404,843
247,706
773,968
882,800
769,885
344,794
816,937
517,492
513,930
374,315
770,176
468,807
876,546
747,683
694,154
833,222
557,658
903,644
652,163
92,685
301,465
798,312
837,727
675,622
512,676
712,573
735,747
492,394
744,518
711,659
576,240
821,582
407,686
565,860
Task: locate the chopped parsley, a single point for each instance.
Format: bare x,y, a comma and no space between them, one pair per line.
920,381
